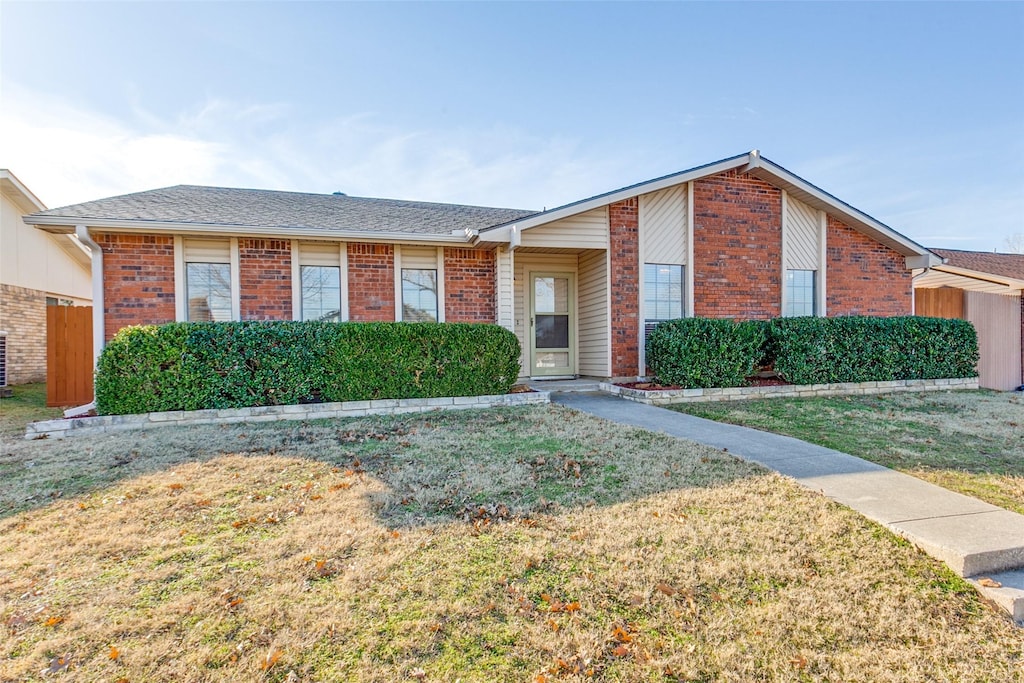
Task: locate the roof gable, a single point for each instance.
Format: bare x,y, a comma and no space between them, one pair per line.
757,166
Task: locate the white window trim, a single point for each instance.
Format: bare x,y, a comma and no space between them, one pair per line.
180,296
297,280
398,282
440,285
822,302
438,268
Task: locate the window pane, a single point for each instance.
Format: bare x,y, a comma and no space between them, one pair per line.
800,295
419,295
208,291
551,294
321,293
552,332
663,291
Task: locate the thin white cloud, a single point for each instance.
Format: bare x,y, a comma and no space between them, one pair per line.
68,154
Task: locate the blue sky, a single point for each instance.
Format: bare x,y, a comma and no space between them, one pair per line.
912,112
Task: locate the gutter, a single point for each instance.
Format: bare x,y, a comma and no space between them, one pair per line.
228,230
98,328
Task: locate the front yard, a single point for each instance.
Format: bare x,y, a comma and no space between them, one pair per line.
966,441
532,544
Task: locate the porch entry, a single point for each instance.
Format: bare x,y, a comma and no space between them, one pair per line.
552,325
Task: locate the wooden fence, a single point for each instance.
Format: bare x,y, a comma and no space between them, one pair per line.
68,355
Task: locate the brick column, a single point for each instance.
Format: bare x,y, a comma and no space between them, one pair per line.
371,282
469,285
624,288
138,280
265,279
737,248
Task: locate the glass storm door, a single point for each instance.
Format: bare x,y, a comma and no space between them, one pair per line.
552,336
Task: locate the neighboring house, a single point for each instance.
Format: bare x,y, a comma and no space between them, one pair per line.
988,290
579,284
36,270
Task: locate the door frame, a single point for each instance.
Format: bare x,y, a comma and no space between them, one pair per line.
554,373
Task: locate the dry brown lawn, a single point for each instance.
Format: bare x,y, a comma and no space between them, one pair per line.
523,545
966,441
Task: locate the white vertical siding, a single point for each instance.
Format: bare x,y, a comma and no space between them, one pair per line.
523,265
587,230
801,226
663,225
592,307
505,258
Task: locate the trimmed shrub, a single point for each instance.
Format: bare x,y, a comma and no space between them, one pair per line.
704,352
191,366
865,349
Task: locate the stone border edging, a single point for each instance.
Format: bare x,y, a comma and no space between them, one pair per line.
666,396
82,426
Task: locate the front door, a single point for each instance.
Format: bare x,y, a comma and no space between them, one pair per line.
552,325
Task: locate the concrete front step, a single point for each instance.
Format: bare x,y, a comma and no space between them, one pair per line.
1008,594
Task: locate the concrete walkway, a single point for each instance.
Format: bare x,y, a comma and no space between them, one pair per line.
972,537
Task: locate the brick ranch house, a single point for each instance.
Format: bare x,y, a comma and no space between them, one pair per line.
579,284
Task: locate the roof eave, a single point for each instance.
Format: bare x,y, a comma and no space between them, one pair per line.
66,225
766,169
1011,282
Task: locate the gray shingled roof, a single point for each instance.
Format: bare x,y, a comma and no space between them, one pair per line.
1007,265
273,209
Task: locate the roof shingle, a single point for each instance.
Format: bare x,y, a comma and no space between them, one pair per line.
274,209
1006,265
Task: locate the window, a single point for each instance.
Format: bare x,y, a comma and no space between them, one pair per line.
663,294
321,293
419,295
208,291
799,293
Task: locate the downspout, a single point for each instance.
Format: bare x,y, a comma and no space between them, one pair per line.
98,331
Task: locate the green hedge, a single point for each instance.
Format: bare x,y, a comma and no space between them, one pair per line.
705,352
699,352
191,366
865,349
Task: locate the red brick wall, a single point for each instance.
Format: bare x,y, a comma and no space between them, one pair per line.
737,247
864,277
469,285
371,282
623,223
265,279
138,280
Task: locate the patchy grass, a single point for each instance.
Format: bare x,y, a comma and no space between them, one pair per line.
966,441
27,404
532,544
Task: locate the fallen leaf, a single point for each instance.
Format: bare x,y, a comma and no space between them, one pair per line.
54,620
572,607
989,583
58,664
114,653
666,589
175,486
799,662
270,660
620,651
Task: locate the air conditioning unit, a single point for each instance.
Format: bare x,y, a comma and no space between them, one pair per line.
4,391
